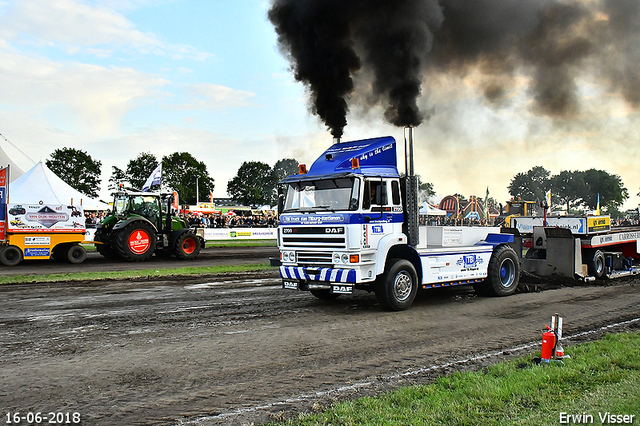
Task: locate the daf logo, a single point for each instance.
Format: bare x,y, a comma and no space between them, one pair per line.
333,230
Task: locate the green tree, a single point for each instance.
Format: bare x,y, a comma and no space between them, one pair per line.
253,184
566,188
76,168
140,168
285,168
118,176
179,172
532,185
608,187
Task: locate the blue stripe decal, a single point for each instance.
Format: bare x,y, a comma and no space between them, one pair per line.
323,274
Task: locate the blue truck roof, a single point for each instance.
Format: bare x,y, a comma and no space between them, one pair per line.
377,157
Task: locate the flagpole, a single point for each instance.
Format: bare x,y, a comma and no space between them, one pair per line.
197,193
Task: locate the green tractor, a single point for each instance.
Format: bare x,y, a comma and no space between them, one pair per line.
141,225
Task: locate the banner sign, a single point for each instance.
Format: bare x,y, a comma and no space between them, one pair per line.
45,218
4,195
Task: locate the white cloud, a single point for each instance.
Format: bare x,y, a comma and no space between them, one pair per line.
215,96
75,26
88,98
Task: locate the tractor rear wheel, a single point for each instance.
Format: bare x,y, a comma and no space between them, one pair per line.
187,246
136,242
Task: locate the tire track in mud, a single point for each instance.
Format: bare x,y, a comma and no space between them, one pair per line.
165,352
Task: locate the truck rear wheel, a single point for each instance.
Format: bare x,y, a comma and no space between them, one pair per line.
136,242
76,254
10,255
504,273
397,287
187,246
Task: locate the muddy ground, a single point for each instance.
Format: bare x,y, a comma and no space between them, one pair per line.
237,349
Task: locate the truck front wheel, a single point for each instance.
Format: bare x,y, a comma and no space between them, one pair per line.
504,273
595,264
397,287
136,242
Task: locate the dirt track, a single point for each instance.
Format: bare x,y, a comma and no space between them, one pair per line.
238,349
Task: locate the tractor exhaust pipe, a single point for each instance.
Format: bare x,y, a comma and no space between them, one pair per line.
411,190
336,140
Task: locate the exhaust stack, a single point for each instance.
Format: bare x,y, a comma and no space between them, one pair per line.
411,190
336,140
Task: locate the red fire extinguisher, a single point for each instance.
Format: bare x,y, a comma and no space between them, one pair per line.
548,344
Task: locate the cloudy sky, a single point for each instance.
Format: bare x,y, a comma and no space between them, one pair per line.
119,77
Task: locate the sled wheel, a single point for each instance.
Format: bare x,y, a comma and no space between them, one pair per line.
136,242
324,294
10,255
397,288
187,246
76,254
596,264
504,272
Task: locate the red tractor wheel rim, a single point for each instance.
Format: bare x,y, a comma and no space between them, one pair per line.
139,241
189,245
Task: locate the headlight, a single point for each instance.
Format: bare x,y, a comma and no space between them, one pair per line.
288,256
345,258
336,257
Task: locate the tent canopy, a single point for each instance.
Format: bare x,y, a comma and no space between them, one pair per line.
14,170
40,184
429,210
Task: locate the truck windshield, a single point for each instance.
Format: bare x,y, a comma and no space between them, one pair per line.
323,194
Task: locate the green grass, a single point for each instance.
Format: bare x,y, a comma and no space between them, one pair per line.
601,376
143,273
241,243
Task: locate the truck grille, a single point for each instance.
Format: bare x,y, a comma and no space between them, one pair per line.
314,258
316,242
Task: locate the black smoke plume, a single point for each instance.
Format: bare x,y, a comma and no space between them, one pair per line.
399,42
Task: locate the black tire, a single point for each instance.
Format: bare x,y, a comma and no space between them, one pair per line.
10,255
324,294
105,249
504,273
136,242
397,287
76,254
595,265
59,253
187,246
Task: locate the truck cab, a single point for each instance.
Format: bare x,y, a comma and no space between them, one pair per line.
345,224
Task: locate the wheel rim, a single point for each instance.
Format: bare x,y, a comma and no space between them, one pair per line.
507,272
599,265
139,241
189,245
402,286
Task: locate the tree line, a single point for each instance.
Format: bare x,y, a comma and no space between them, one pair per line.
571,189
255,182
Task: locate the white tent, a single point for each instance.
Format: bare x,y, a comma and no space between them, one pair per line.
14,170
429,210
41,184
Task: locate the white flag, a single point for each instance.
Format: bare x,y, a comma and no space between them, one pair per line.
154,179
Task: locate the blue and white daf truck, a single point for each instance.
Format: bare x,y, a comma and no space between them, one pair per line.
351,223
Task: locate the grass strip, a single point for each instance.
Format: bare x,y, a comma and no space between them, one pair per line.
137,274
601,377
